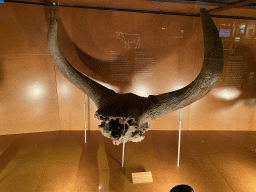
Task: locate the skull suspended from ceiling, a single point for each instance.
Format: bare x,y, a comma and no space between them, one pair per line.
125,116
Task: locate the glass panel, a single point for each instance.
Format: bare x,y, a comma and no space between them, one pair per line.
146,53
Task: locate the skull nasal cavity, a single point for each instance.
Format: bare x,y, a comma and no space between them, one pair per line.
115,125
116,128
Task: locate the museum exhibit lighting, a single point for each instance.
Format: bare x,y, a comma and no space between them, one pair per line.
125,117
227,93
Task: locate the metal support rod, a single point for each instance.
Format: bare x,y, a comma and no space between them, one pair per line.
84,120
123,149
178,160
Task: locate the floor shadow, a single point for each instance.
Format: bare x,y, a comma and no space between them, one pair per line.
9,153
21,141
87,176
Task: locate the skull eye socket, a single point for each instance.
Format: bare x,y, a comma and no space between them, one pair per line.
130,121
116,128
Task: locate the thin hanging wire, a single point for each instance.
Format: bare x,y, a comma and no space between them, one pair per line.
178,160
84,119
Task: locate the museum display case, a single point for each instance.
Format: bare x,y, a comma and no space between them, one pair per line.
49,135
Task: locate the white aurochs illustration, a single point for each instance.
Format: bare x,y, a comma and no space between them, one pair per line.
232,48
129,38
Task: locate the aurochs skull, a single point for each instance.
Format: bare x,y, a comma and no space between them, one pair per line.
125,116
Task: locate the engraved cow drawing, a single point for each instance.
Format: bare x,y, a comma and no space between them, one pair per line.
129,38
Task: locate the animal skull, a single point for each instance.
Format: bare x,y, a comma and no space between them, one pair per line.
125,116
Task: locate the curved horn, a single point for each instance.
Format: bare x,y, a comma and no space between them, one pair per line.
94,90
204,82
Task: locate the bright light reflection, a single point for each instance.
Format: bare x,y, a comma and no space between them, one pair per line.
177,86
237,39
115,88
63,90
228,93
99,187
141,89
36,90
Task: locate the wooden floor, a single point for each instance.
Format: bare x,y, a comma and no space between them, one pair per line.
60,161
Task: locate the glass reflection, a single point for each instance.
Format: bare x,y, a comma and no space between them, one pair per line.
115,88
141,89
63,90
36,90
229,93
